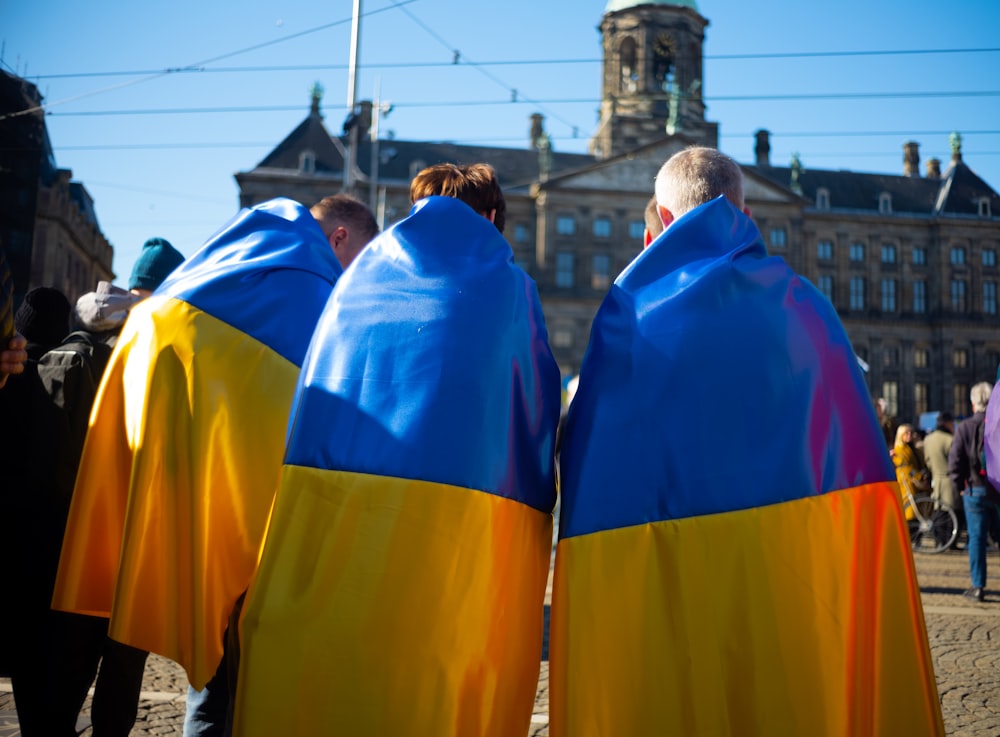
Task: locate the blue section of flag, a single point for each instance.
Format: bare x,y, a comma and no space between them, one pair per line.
270,260
431,362
716,379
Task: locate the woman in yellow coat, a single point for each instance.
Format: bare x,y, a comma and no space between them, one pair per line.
911,470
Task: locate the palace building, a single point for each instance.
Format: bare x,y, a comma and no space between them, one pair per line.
909,260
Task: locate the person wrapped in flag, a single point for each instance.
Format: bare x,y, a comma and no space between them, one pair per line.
402,580
732,555
183,453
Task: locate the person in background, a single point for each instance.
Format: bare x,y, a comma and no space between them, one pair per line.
937,445
911,470
980,499
157,260
28,533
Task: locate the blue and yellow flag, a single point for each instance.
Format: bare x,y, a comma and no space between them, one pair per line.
402,581
187,434
732,556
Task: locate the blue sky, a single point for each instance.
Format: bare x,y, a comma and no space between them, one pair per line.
170,174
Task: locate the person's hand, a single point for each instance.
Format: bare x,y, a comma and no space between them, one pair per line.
12,360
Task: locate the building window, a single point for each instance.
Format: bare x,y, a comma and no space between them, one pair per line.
564,269
890,356
921,358
920,297
888,295
960,358
857,293
958,301
960,398
989,257
919,256
890,392
885,203
600,278
307,162
984,207
602,228
888,253
417,166
857,251
636,229
958,256
990,297
825,285
920,392
822,198
824,250
992,359
779,237
522,234
562,338
565,225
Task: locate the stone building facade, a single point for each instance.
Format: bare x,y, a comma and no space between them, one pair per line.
909,261
48,225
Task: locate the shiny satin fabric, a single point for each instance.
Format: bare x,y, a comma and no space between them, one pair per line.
731,541
395,607
402,579
184,450
991,441
796,618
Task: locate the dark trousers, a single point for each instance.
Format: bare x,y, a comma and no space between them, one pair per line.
80,643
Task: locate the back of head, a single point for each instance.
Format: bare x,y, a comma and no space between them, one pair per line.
348,211
474,184
43,316
979,395
697,175
944,420
157,260
901,432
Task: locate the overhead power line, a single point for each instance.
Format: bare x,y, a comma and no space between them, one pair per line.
553,101
462,61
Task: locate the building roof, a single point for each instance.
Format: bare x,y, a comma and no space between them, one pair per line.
957,192
615,5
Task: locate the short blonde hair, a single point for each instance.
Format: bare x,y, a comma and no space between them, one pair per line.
697,175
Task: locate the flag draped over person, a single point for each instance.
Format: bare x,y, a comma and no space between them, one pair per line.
402,580
732,555
184,449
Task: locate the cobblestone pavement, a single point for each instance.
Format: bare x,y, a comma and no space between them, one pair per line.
964,637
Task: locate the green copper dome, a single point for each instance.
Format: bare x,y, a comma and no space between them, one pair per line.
616,5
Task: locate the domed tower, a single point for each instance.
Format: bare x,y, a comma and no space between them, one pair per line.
652,75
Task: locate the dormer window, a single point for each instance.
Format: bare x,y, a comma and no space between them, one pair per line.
983,206
822,199
885,203
627,61
307,162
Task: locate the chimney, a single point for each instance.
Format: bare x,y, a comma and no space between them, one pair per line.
537,128
933,168
911,159
763,148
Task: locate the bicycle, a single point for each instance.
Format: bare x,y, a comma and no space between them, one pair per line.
933,527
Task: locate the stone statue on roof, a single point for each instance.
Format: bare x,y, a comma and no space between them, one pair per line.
955,141
796,174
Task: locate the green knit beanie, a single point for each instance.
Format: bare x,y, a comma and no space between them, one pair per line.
157,260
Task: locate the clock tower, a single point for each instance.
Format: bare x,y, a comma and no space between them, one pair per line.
653,80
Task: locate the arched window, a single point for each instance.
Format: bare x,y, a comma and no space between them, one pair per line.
664,51
629,81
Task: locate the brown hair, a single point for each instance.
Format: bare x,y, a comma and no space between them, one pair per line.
346,210
474,184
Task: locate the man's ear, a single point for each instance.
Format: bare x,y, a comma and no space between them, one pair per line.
666,217
492,216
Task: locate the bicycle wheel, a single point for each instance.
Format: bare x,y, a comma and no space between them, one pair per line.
933,527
